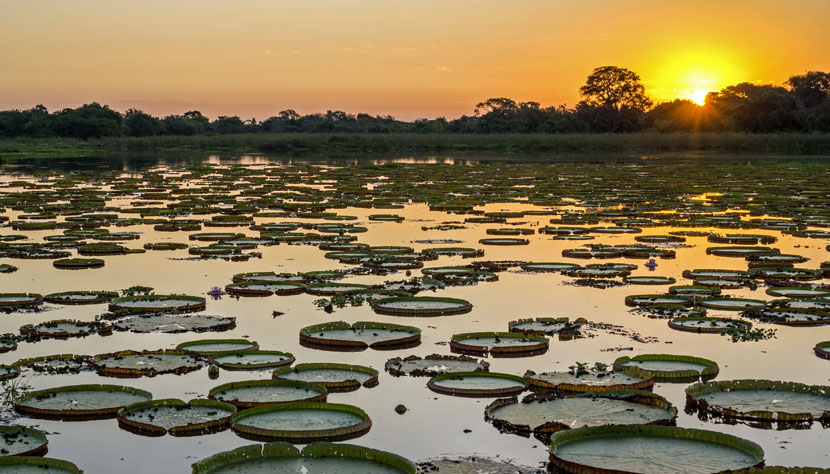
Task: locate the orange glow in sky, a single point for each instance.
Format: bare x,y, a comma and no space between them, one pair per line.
409,59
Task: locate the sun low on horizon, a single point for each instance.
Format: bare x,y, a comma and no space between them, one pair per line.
254,58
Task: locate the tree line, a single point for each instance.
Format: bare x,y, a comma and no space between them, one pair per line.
613,100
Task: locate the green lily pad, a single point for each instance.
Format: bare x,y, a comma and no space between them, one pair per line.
210,347
253,393
173,323
433,365
81,297
421,306
335,377
150,303
157,417
631,378
79,401
302,422
146,363
37,465
763,400
670,367
359,336
252,359
477,384
499,344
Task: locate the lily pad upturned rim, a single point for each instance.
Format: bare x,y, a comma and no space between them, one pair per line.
696,391
822,349
37,450
781,291
79,263
413,337
102,297
478,392
484,366
711,367
182,430
319,449
197,303
33,299
320,392
242,288
646,382
544,430
541,346
321,289
301,436
344,385
682,301
37,461
674,324
262,365
609,431
513,326
35,331
463,306
192,346
141,372
20,406
503,241
711,303
84,359
649,280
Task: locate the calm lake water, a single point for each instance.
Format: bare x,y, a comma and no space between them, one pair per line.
435,424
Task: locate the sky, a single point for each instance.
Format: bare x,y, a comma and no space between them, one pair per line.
406,58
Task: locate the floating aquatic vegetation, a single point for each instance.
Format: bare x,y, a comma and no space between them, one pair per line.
433,365
165,246
762,400
22,441
302,422
252,359
499,344
503,241
7,268
316,457
335,377
19,300
548,267
57,364
665,300
153,303
359,336
61,329
79,401
78,263
179,418
421,306
651,450
28,464
731,304
671,367
596,379
477,384
546,413
251,393
146,363
822,349
264,288
649,280
81,297
210,347
170,323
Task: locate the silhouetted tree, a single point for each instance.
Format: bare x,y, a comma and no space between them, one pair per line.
747,107
614,100
140,124
811,89
89,121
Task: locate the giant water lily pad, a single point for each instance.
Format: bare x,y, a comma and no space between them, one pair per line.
542,414
477,384
421,306
37,465
798,292
80,401
433,365
667,300
81,297
210,347
57,364
264,288
21,441
157,417
649,280
631,378
651,450
252,360
544,326
317,457
359,336
548,266
252,393
731,304
822,349
740,251
708,325
61,328
146,363
149,303
174,323
764,400
670,367
78,263
499,344
9,372
329,289
302,422
19,300
335,377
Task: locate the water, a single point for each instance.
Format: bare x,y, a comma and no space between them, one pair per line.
434,425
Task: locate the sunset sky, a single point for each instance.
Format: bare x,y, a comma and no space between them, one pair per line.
410,59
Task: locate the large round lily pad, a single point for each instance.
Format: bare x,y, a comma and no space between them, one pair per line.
477,384
209,347
763,400
822,349
543,326
264,288
499,344
317,457
251,393
302,422
61,328
542,414
651,450
731,304
631,378
421,306
666,300
708,325
57,364
359,336
252,360
433,365
146,363
22,441
174,323
670,367
148,303
19,300
80,401
81,297
179,418
37,465
78,263
335,377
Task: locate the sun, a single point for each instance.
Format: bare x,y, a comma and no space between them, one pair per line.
691,74
699,96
